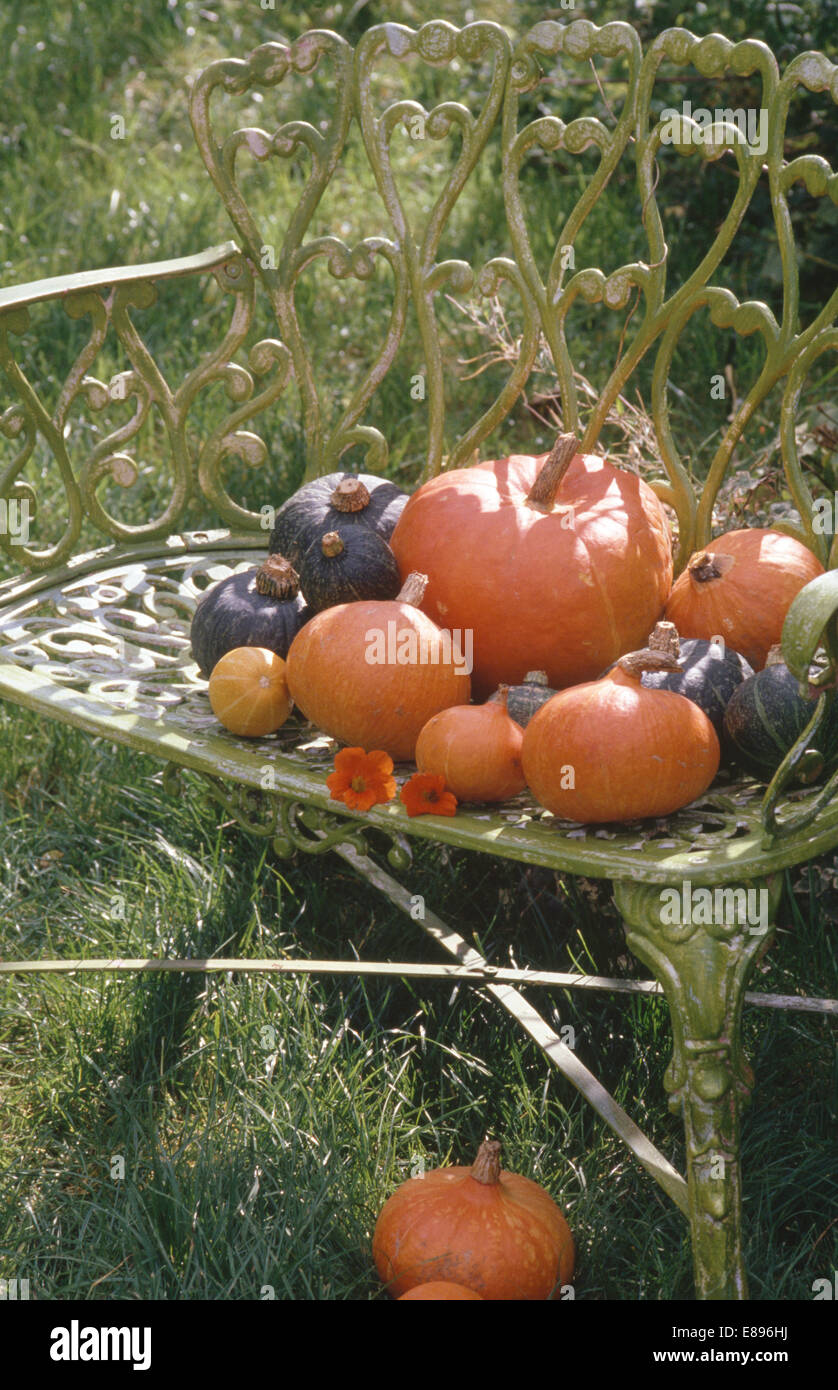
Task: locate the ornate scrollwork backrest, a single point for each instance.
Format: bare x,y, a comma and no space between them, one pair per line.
420,274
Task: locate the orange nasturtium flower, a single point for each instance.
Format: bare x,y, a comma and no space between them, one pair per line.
425,795
362,779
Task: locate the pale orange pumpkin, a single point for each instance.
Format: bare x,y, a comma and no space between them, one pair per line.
611,750
559,562
741,588
372,673
497,1233
476,748
441,1291
248,691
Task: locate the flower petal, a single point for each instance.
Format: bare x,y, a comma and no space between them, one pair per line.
337,782
381,761
360,801
424,794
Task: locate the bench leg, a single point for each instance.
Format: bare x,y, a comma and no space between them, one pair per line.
703,968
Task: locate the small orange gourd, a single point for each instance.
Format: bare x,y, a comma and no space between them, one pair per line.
498,1233
248,691
611,750
440,1290
476,748
741,588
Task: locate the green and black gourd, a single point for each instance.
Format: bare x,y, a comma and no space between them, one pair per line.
348,563
526,699
710,674
321,505
764,718
709,671
260,607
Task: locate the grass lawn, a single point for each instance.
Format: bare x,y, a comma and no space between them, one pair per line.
261,1123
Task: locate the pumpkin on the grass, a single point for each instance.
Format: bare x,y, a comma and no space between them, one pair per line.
439,1290
260,607
611,750
476,749
557,563
248,691
497,1232
740,587
372,673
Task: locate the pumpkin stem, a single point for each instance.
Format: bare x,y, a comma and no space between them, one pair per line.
332,544
635,663
542,494
277,578
413,589
665,639
775,656
350,495
705,566
486,1166
503,697
535,678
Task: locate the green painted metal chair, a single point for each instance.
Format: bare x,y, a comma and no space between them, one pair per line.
99,638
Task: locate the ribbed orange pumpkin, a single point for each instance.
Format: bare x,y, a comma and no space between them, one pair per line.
476,748
498,1233
558,563
611,750
741,588
248,691
372,673
441,1291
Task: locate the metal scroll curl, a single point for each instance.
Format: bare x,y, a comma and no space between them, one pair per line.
290,824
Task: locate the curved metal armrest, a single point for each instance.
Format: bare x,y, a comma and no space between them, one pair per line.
15,296
810,624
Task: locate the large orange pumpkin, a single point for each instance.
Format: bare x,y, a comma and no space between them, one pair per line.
741,588
611,750
559,562
372,673
438,1290
498,1233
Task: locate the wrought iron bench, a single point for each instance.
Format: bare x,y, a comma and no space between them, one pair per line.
98,638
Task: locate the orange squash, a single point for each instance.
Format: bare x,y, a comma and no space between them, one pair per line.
248,691
558,563
611,750
476,748
498,1233
440,1290
741,588
372,673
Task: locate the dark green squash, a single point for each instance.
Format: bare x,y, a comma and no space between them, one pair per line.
319,506
524,700
766,714
710,673
346,564
262,607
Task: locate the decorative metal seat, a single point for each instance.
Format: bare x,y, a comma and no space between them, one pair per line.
105,646
99,638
